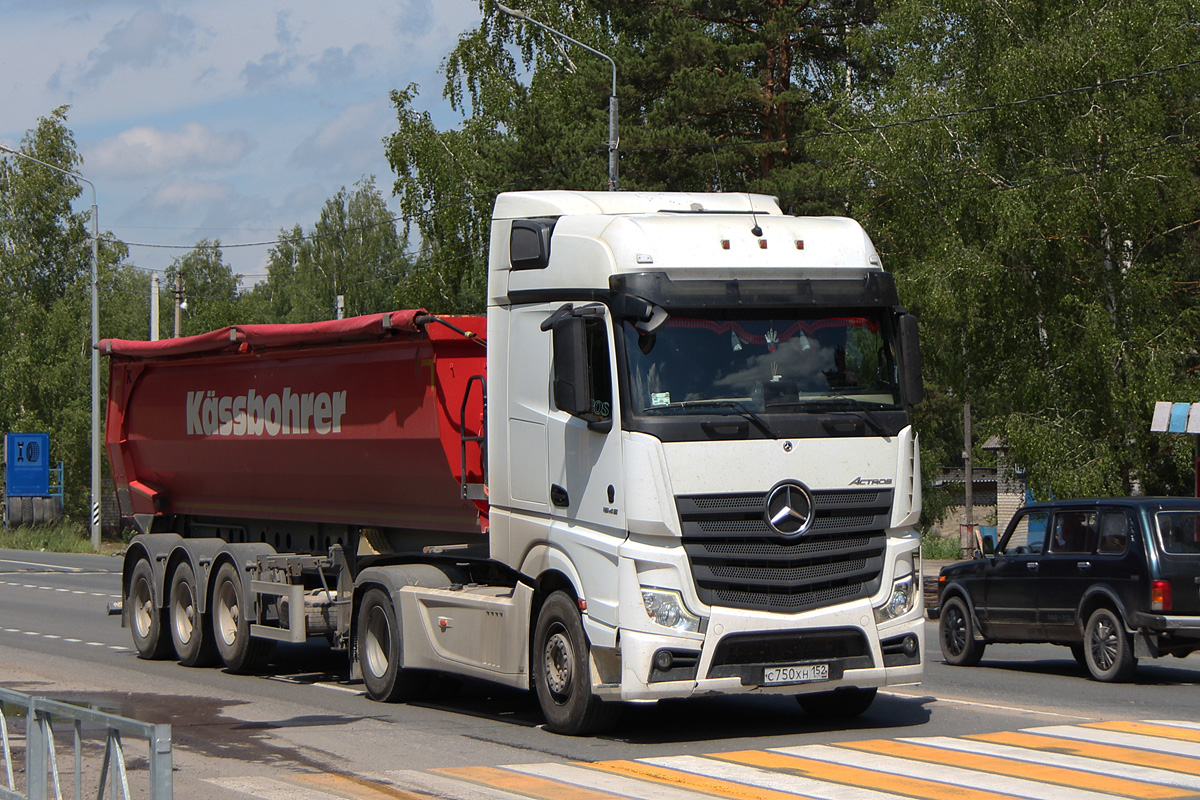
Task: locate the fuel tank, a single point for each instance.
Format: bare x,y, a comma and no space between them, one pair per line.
357,422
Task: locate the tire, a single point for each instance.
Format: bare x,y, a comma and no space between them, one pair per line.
12,513
26,511
838,704
1079,653
191,631
562,671
1108,647
957,634
147,622
379,652
231,625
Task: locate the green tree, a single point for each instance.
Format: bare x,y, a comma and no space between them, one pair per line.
210,289
354,251
1044,223
45,301
713,97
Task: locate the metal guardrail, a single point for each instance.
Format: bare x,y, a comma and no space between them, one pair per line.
41,757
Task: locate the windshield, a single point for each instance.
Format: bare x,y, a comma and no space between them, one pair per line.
789,362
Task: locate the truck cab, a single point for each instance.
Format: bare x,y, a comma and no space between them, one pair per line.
698,429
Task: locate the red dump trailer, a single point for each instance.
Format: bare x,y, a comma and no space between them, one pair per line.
352,422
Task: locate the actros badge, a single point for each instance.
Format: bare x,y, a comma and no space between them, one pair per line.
789,508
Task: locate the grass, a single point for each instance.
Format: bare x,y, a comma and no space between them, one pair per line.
940,547
65,537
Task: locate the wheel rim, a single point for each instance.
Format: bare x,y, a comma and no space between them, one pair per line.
143,608
185,612
559,658
378,645
1104,644
229,614
956,631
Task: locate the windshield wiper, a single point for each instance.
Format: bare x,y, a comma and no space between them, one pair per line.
736,405
816,404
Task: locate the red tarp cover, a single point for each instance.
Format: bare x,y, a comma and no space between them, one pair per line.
258,336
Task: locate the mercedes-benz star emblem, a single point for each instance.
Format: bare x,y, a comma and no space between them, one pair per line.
789,508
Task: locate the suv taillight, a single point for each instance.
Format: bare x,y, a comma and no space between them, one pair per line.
1160,595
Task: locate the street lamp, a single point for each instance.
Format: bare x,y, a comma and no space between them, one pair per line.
95,520
612,98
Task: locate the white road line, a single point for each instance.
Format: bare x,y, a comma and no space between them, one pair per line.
1081,763
37,564
1176,723
995,707
607,782
321,684
1136,740
765,779
444,786
953,776
271,789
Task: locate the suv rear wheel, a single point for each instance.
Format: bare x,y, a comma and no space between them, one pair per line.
1108,647
959,645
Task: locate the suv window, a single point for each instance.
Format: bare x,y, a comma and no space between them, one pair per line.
1179,532
1114,533
1027,534
1074,532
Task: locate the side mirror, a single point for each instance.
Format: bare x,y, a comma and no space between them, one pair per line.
572,391
911,386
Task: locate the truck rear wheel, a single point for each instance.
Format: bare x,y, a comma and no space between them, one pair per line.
379,652
231,625
190,630
562,671
146,621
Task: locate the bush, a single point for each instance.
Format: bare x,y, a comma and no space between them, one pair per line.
939,547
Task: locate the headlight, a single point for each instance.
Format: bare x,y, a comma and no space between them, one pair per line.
666,608
902,600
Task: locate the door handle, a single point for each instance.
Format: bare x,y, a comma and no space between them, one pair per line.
1032,566
1083,566
559,496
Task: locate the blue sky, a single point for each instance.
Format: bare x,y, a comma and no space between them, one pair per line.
226,119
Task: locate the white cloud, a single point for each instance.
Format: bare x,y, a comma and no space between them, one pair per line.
144,150
350,144
189,195
151,36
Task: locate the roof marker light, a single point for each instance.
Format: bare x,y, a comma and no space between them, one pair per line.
724,244
799,244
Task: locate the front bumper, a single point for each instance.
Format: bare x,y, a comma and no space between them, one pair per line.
740,646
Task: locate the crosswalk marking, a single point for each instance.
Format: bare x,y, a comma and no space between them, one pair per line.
1147,760
996,765
1023,757
728,780
1119,738
1094,750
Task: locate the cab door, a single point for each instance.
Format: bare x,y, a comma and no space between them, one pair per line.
1009,607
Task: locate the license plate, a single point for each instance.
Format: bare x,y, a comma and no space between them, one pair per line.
796,673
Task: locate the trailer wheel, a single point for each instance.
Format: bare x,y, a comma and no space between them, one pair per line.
562,672
839,704
379,651
190,628
146,621
231,625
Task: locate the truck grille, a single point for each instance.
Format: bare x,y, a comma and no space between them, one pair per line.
738,562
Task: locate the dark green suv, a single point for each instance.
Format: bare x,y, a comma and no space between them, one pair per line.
1114,579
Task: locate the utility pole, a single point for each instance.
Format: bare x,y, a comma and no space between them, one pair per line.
179,303
154,289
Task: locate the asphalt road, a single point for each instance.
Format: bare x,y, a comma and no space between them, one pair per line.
306,733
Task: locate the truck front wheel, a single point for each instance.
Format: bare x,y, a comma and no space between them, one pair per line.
146,621
189,627
1108,647
562,672
379,652
231,625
